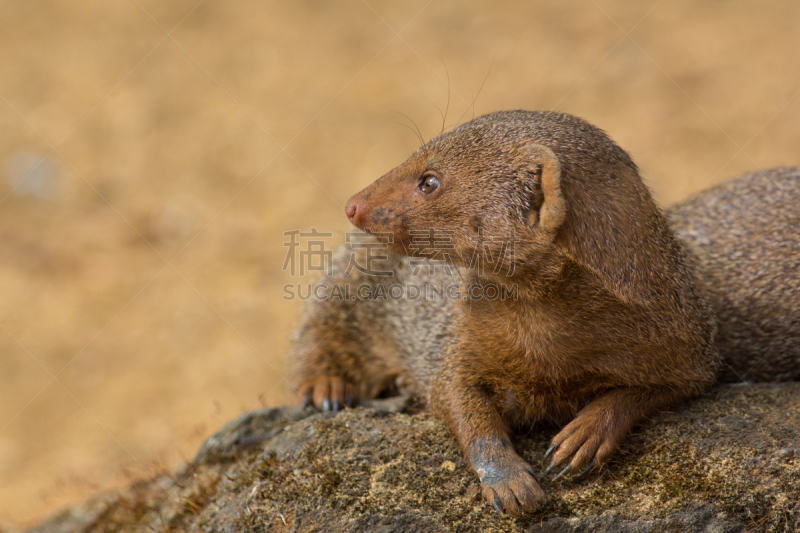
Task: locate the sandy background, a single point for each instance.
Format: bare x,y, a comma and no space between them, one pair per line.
168,145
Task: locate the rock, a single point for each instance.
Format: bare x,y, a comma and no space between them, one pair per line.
717,464
256,427
248,431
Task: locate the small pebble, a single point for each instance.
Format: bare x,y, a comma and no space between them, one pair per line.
450,466
786,453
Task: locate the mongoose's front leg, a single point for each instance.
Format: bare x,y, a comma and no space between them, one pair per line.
340,355
332,367
600,427
327,359
329,393
509,483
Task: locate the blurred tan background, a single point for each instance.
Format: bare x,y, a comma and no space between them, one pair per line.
153,153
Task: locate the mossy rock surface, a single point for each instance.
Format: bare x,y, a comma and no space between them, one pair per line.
729,461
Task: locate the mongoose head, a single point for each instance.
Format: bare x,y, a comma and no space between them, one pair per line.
555,186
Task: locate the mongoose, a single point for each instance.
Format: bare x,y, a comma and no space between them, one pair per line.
609,318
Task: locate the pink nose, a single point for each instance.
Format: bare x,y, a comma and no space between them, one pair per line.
354,212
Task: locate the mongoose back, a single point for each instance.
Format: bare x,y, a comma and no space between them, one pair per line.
609,319
744,234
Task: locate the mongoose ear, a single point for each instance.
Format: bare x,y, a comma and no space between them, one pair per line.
548,208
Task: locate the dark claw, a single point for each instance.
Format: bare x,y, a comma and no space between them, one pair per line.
550,450
585,471
551,467
307,401
349,401
564,472
497,506
336,405
326,404
533,475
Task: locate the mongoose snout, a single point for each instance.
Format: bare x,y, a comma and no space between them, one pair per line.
385,206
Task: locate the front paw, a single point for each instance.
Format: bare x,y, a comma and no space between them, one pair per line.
509,483
586,443
328,393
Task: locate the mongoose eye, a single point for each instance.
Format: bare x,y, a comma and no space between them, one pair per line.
429,184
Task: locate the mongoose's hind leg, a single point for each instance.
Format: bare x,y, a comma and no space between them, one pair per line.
600,427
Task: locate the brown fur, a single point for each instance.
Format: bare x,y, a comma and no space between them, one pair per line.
744,234
608,326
